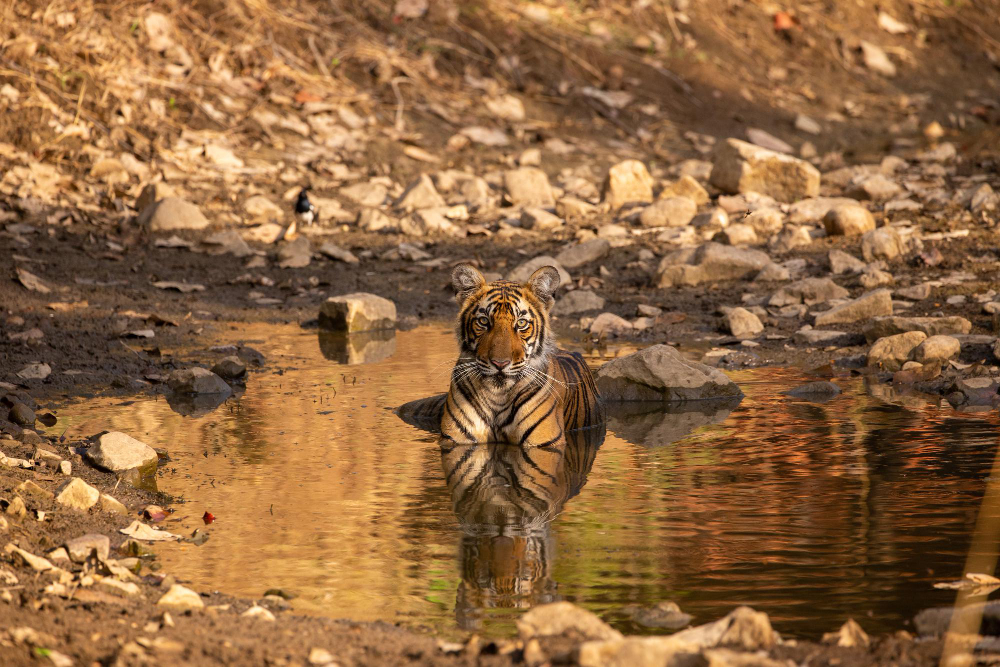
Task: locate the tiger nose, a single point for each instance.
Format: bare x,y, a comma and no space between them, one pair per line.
500,363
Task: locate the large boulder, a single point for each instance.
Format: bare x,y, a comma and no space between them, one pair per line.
710,262
660,373
937,348
528,186
743,167
359,311
880,327
628,182
866,306
891,352
171,214
115,451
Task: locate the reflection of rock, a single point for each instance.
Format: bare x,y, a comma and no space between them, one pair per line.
196,405
651,424
358,348
505,497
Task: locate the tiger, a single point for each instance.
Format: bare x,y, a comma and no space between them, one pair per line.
511,383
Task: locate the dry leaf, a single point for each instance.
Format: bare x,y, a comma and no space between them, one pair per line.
141,531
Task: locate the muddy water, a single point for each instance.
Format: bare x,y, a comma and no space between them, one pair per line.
812,512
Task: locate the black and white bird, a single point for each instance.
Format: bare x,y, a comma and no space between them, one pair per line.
304,209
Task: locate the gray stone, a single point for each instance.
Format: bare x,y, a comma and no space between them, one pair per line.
789,238
21,414
819,389
826,337
572,207
230,369
420,194
197,380
608,324
660,373
336,252
80,548
228,242
736,234
538,219
171,214
369,194
866,306
808,291
577,255
842,262
741,167
627,182
939,348
983,199
434,221
669,212
804,123
767,140
743,627
115,451
295,254
577,301
876,59
848,220
876,188
374,220
710,262
915,293
874,277
522,272
943,152
882,243
891,352
528,186
880,327
355,312
741,323
773,273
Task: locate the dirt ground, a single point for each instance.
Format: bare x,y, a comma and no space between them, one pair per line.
226,101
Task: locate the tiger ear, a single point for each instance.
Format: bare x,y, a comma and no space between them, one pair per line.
544,282
466,279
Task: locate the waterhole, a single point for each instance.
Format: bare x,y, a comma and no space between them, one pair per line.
811,512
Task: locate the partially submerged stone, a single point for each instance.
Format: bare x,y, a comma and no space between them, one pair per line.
355,312
891,352
740,166
115,451
197,380
660,373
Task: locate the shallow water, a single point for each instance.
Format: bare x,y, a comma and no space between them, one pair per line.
811,512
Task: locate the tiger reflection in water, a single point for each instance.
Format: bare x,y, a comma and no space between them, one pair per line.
505,498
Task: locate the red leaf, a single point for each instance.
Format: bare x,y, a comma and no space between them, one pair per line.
784,21
208,517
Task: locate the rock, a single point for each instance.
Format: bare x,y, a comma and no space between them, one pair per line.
577,301
806,124
180,597
876,60
571,207
295,254
841,262
710,262
153,193
850,635
876,188
790,237
320,656
773,273
420,194
736,234
808,291
765,221
810,336
894,27
564,619
530,157
741,323
528,186
915,293
80,548
891,352
743,627
357,312
882,243
229,242
109,504
640,652
943,152
171,214
743,167
21,414
812,210
820,389
848,220
866,306
669,212
983,199
522,272
369,194
660,373
662,615
874,277
259,612
627,182
28,559
115,451
880,327
607,325
35,371
230,369
267,233
260,207
77,494
539,219
939,348
373,220
575,256
688,187
487,136
767,140
197,380
435,221
336,252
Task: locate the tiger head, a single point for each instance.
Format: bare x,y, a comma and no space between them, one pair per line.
503,326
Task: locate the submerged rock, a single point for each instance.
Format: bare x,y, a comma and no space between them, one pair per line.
651,424
197,380
660,373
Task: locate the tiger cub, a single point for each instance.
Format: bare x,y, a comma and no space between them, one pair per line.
510,383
